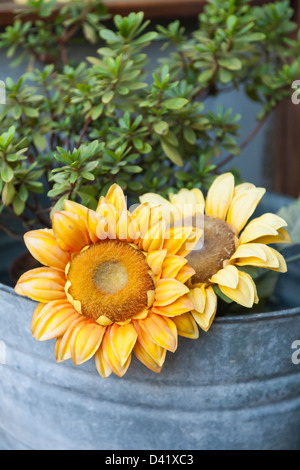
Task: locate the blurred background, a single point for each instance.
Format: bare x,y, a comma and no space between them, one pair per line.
272,158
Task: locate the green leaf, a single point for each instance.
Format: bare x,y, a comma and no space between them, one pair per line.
133,168
161,127
206,75
97,111
89,33
138,143
225,76
8,194
87,175
31,112
171,152
189,135
17,112
175,103
148,37
39,141
23,193
109,35
231,22
18,205
231,64
7,174
107,97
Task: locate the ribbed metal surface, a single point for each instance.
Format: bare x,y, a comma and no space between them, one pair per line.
233,388
236,387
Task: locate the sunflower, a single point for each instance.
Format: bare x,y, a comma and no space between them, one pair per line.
228,244
112,282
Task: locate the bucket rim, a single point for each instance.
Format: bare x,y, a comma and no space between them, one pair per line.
238,318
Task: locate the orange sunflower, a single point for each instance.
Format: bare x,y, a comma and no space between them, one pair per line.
112,283
228,243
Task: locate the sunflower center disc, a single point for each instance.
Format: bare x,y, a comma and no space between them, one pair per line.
111,279
218,246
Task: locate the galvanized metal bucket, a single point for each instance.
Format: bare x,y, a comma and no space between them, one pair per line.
236,387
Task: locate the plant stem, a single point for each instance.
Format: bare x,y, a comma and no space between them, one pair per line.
11,234
244,143
84,131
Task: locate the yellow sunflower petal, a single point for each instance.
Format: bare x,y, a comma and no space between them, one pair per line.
36,314
272,259
242,207
245,292
70,230
180,306
107,210
205,319
256,250
197,297
116,197
110,357
190,242
281,237
273,220
219,196
141,216
185,204
63,344
153,240
186,326
93,220
53,320
168,290
175,238
106,229
126,228
43,246
172,265
145,357
199,196
243,187
75,208
228,277
185,274
85,341
155,260
151,352
264,228
160,330
255,230
102,366
123,341
42,285
153,199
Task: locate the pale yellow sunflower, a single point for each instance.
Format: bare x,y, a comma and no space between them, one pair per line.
112,283
228,242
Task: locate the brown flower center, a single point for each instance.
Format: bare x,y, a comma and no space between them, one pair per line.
111,279
218,246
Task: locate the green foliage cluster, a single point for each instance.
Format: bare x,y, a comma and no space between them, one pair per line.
72,128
